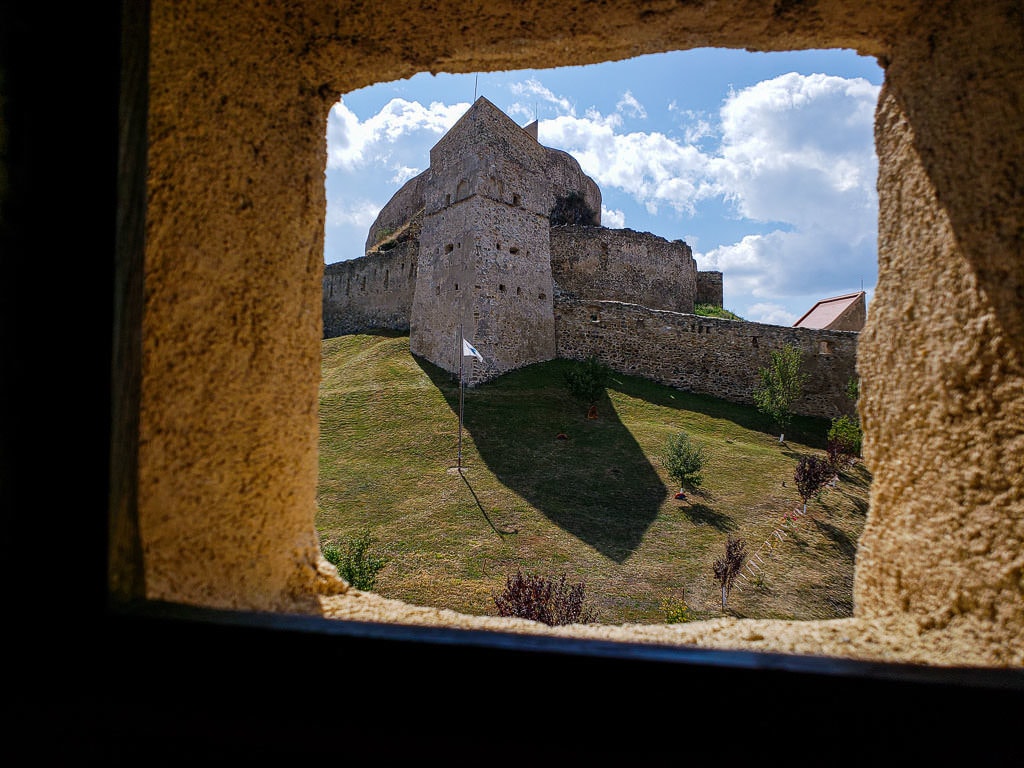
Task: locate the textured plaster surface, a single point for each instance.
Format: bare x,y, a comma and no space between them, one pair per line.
239,95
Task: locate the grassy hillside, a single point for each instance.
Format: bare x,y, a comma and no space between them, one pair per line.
597,506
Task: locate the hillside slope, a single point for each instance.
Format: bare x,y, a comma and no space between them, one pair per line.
597,506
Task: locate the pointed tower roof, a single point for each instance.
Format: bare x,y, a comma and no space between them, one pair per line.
481,113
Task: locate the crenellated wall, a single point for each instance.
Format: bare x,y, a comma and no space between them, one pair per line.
704,354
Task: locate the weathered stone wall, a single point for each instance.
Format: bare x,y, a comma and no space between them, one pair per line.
562,175
706,355
623,265
398,211
484,248
709,288
484,265
486,153
373,291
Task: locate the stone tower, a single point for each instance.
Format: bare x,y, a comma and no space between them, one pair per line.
484,258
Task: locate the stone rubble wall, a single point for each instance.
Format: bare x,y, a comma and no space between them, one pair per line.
623,265
371,292
709,288
563,175
705,355
398,211
502,294
484,265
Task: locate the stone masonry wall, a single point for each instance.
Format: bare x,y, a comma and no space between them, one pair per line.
485,230
563,175
705,355
399,210
623,265
373,291
709,288
487,268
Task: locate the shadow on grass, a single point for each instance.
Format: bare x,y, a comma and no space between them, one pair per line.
505,530
847,546
596,483
807,430
701,514
861,506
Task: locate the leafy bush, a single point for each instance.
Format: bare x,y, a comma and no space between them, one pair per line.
685,460
538,598
586,380
356,564
810,476
853,388
727,568
847,434
572,209
676,612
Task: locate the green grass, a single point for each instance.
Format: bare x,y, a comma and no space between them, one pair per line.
710,310
597,506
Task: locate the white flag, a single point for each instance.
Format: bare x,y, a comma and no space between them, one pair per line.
468,350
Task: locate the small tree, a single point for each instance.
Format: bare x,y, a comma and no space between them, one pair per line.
538,598
782,383
572,209
811,475
356,564
727,568
685,460
844,442
586,380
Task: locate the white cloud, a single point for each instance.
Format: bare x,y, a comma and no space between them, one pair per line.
696,130
403,173
795,149
533,87
628,105
772,314
798,149
613,219
352,143
797,263
651,167
357,213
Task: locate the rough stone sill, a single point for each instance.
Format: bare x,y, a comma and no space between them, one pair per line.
893,640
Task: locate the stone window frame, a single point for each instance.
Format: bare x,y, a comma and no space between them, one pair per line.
131,678
128,402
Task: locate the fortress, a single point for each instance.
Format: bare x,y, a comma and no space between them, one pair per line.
502,237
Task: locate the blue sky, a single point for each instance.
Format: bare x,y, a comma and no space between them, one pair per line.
763,163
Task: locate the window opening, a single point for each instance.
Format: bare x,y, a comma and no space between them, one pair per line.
624,209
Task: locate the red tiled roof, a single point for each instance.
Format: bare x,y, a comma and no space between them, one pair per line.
827,311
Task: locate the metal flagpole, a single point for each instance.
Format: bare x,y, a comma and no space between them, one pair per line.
461,359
